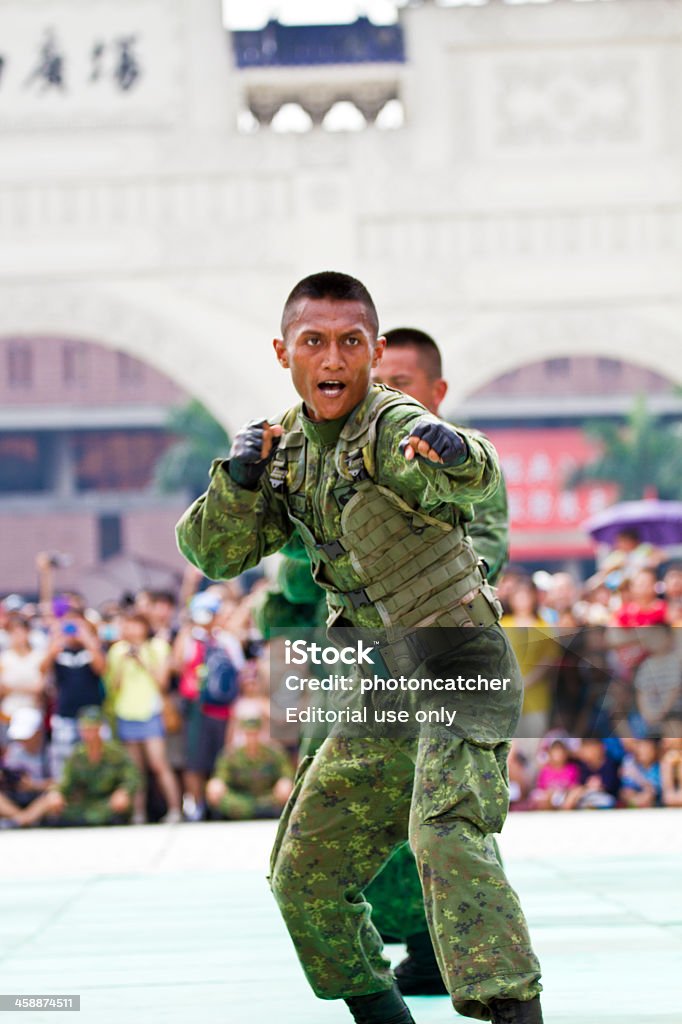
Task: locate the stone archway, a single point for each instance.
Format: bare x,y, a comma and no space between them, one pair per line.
205,348
478,350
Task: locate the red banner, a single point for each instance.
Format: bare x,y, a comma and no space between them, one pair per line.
546,513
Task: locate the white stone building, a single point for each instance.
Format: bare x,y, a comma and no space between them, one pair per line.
529,206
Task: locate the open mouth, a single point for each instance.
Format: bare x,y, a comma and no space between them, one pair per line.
331,388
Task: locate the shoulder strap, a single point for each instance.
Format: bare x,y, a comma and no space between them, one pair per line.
355,451
287,468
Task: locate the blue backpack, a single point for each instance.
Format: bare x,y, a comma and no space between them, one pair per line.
221,679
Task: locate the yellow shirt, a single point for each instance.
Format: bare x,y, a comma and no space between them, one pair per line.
138,696
533,647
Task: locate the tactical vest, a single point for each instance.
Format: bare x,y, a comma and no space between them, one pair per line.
416,570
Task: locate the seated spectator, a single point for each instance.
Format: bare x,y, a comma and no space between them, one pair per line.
76,660
21,681
599,781
26,756
138,670
671,772
10,812
658,682
520,776
557,777
253,781
640,775
98,785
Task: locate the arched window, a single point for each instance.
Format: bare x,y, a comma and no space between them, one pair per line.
344,116
291,117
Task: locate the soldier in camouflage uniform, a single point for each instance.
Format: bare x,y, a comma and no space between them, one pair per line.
99,778
411,363
380,492
252,781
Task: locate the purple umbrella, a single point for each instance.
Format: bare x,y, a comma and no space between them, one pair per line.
657,522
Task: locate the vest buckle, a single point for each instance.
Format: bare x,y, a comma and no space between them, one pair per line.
332,550
355,464
357,598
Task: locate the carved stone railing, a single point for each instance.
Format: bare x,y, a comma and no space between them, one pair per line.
317,67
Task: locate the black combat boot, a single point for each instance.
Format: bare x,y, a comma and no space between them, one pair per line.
418,973
512,1011
386,1007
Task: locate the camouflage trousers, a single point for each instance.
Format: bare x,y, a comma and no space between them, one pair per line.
242,806
396,897
353,804
92,812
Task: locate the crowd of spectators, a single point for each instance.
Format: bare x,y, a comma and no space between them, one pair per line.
136,711
157,707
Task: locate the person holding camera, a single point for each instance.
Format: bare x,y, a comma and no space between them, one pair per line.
76,661
137,675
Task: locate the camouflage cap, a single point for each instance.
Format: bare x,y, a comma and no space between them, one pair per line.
92,714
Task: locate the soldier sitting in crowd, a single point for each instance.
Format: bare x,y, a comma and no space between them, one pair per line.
98,785
253,780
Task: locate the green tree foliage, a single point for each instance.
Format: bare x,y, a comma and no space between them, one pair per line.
185,465
644,453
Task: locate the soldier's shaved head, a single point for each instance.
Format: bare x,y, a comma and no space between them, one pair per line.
330,284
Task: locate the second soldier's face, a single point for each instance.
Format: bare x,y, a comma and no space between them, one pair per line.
401,369
330,348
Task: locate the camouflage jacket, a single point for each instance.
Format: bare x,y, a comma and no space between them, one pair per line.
229,529
85,781
254,776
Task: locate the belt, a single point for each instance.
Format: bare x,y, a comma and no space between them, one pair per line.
407,652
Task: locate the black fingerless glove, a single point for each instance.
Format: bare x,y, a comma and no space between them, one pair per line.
443,438
246,466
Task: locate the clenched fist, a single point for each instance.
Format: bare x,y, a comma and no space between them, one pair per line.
253,447
434,441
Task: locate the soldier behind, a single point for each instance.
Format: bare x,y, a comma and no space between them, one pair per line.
251,781
412,363
372,451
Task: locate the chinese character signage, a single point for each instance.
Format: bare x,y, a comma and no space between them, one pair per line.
89,62
546,514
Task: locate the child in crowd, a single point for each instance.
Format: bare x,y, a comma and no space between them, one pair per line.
599,781
640,775
557,777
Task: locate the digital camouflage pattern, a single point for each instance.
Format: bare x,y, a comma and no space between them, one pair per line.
87,785
353,803
250,779
351,807
489,531
395,894
230,529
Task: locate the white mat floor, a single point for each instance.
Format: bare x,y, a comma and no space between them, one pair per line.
176,923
